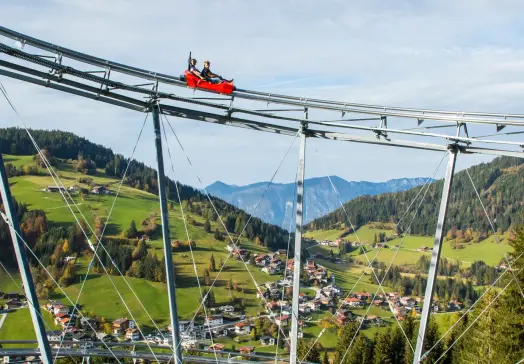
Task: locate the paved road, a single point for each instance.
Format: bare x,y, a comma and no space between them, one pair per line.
2,319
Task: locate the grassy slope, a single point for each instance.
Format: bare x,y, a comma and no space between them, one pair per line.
136,205
488,250
18,326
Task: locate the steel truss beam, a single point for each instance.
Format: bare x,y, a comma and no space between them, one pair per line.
498,119
112,98
381,131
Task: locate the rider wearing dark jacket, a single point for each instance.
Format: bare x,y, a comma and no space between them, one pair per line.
210,76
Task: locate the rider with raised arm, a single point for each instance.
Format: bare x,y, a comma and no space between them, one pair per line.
210,76
194,70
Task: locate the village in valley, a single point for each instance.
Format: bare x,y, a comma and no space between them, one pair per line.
226,327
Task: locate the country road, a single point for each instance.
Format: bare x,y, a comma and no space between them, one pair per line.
2,319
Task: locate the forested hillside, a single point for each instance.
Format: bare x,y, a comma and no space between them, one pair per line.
499,183
89,156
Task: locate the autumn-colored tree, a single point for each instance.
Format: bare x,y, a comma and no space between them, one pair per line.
65,247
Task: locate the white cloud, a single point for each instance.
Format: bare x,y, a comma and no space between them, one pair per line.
464,54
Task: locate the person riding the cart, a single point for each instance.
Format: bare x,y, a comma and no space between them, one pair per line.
210,76
193,70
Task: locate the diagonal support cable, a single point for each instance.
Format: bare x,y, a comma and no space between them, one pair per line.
187,235
478,317
470,308
222,222
380,249
28,300
103,232
6,219
58,182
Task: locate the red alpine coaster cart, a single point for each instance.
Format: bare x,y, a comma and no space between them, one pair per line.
195,82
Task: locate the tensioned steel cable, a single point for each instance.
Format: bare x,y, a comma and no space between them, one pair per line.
6,219
187,235
373,270
103,232
469,309
29,300
428,180
385,275
225,228
494,232
58,182
222,222
477,318
55,177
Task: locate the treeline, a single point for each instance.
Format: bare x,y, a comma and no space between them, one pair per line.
137,262
270,236
445,289
67,145
479,272
499,183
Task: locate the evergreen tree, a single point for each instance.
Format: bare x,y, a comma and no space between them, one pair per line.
212,267
207,278
432,336
325,357
218,235
498,334
410,328
131,232
382,351
397,345
345,336
360,352
210,299
207,226
140,250
306,351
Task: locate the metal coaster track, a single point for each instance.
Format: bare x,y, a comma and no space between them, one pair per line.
500,119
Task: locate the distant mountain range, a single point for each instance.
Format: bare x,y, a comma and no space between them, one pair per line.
277,206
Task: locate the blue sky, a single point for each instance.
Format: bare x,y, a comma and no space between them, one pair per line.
464,55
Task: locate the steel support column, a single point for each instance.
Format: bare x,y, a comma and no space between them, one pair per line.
298,247
435,256
170,274
23,265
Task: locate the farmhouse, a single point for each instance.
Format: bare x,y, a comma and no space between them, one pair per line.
242,328
214,320
282,320
132,334
267,340
246,349
121,325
